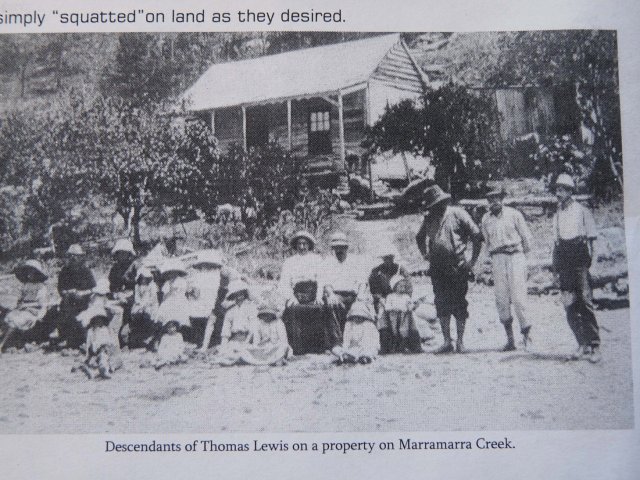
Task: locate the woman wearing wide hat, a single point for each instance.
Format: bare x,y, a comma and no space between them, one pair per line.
309,326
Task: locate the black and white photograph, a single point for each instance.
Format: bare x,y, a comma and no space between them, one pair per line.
292,231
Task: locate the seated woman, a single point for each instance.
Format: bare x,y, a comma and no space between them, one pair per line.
310,327
23,321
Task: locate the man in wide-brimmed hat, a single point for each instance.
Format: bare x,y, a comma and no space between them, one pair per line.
442,239
508,239
344,277
75,285
575,231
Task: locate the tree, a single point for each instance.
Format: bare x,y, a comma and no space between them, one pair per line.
588,60
458,129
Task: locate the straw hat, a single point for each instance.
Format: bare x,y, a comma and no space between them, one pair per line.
302,234
339,239
30,266
267,310
361,309
75,249
565,180
173,265
235,287
432,196
94,311
212,256
123,245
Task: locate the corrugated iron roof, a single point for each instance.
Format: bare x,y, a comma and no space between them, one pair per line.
288,75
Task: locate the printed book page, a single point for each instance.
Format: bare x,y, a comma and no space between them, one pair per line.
321,239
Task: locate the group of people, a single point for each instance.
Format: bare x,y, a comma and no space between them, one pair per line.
338,303
446,233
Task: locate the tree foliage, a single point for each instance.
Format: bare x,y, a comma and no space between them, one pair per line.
588,60
459,130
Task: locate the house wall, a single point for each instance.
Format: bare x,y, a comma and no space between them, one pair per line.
228,124
382,94
525,110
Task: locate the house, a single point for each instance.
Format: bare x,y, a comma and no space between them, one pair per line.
316,101
546,110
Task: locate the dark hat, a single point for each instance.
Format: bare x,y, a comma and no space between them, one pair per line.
30,266
432,196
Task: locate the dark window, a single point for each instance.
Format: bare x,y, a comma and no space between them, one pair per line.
319,132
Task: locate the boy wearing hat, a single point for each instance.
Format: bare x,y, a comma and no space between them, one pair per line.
508,240
380,277
448,230
575,231
75,285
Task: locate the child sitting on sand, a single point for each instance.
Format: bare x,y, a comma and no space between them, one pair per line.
32,302
103,352
269,344
395,319
171,349
361,340
239,323
143,329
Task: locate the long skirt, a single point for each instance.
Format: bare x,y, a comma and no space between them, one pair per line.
311,328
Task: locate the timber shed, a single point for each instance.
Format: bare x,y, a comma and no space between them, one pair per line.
316,101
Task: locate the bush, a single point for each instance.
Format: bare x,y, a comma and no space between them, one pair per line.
556,155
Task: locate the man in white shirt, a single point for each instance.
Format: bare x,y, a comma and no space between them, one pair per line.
508,239
343,277
575,232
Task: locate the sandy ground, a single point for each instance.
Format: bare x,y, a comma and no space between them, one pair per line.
483,389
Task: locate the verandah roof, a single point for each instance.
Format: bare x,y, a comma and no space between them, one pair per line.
298,73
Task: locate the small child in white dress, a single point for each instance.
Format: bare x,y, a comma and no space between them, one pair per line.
103,352
361,340
395,318
239,324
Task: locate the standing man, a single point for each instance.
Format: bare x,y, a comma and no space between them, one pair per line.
575,231
343,278
508,239
448,230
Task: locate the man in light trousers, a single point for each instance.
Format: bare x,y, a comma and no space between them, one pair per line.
508,239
